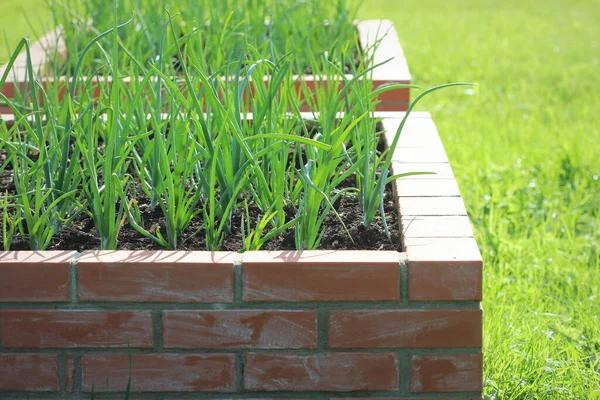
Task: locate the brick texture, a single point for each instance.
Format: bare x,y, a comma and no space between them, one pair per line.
446,373
329,372
159,372
321,276
444,269
184,277
405,329
440,280
25,276
28,372
270,329
75,328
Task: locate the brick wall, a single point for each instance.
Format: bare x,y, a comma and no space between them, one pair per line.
291,324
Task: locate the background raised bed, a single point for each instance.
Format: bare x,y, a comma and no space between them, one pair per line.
395,70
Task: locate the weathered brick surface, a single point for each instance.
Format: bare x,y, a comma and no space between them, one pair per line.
393,105
405,329
321,276
440,280
26,276
269,329
392,98
28,372
150,276
446,373
328,372
75,328
444,269
159,372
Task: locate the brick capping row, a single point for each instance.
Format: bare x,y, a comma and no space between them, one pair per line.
266,277
296,324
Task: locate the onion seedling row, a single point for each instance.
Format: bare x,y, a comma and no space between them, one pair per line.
111,152
214,32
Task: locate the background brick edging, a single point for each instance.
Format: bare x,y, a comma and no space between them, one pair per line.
310,324
369,32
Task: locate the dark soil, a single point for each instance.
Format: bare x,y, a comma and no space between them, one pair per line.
81,235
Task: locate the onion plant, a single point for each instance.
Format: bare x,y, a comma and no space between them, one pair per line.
216,31
214,137
44,179
105,145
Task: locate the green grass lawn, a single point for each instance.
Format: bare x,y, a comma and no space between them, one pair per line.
525,148
21,18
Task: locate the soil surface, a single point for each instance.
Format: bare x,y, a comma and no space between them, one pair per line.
81,235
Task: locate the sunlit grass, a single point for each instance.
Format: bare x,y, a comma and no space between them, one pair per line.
21,18
525,148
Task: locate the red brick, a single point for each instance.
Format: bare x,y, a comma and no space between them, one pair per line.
444,280
29,276
392,106
328,372
268,329
321,276
75,328
444,269
6,113
159,372
396,96
156,276
446,373
8,90
29,372
405,329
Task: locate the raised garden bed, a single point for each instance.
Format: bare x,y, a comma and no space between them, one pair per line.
101,155
296,324
370,32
